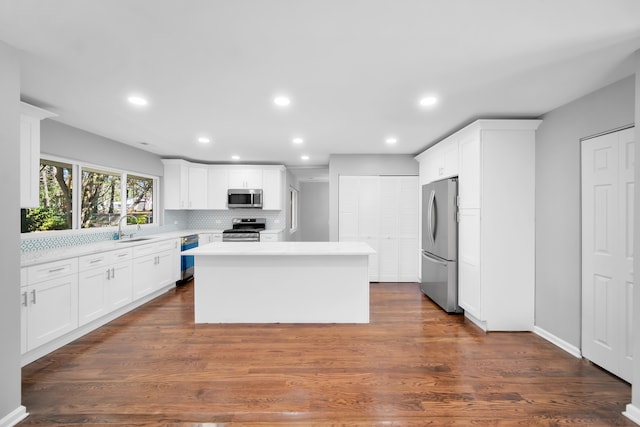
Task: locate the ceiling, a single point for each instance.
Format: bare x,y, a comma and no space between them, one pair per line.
353,69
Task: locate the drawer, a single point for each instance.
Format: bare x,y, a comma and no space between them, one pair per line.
120,255
268,237
156,247
51,270
88,262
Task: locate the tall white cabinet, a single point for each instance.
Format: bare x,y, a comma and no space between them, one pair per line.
496,252
382,212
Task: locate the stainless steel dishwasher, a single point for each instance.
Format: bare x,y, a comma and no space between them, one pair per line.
186,261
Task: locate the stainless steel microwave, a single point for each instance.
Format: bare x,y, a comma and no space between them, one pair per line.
244,198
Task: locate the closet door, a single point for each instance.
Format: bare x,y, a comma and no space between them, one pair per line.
607,251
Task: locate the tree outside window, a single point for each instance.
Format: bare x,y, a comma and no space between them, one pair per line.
56,199
140,198
100,198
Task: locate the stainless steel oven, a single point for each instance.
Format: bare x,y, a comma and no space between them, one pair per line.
244,230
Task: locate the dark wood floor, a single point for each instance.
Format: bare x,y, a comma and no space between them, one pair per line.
412,365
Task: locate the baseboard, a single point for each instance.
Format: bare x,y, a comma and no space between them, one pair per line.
13,418
633,413
479,323
569,348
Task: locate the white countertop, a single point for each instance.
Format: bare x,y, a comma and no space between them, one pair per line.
64,252
281,248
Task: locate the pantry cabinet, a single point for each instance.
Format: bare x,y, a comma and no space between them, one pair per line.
30,118
496,252
382,212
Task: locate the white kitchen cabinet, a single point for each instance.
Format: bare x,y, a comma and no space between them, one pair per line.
244,177
440,161
272,188
497,229
24,295
204,238
383,212
155,265
217,186
105,283
30,118
49,302
272,237
185,185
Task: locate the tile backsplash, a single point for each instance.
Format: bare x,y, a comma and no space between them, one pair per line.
173,220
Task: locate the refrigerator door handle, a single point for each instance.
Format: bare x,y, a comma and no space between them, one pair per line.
431,231
432,259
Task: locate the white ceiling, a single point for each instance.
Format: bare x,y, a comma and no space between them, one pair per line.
354,69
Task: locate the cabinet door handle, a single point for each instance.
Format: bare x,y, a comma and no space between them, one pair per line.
55,270
93,261
113,272
108,274
25,302
33,296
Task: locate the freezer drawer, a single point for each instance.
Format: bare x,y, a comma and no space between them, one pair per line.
440,282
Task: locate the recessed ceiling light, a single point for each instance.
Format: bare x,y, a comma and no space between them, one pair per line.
428,101
281,101
391,140
137,100
235,157
297,140
304,157
204,140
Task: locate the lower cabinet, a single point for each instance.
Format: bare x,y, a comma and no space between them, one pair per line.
49,304
64,297
105,283
154,266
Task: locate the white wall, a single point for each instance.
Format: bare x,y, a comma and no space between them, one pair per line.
363,165
314,211
558,216
10,373
291,181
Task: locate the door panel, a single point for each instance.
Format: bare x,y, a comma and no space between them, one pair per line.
607,251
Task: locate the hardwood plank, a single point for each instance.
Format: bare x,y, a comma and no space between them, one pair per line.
413,365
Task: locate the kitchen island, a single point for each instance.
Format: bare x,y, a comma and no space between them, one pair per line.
281,282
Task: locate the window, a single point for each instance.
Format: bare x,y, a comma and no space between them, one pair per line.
56,199
140,198
293,209
99,198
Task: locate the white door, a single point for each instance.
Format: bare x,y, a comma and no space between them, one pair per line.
607,251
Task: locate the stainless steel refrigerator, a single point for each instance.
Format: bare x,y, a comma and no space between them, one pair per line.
440,243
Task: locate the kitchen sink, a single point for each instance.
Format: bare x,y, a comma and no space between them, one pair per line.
137,239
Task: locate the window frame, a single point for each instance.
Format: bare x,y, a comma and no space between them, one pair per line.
294,197
76,168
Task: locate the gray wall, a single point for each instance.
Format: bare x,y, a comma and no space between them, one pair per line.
76,144
363,165
558,216
314,211
10,380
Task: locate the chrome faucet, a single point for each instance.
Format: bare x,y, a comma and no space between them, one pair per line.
120,233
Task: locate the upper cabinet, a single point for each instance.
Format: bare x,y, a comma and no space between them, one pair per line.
440,161
185,185
30,118
190,185
245,177
272,187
